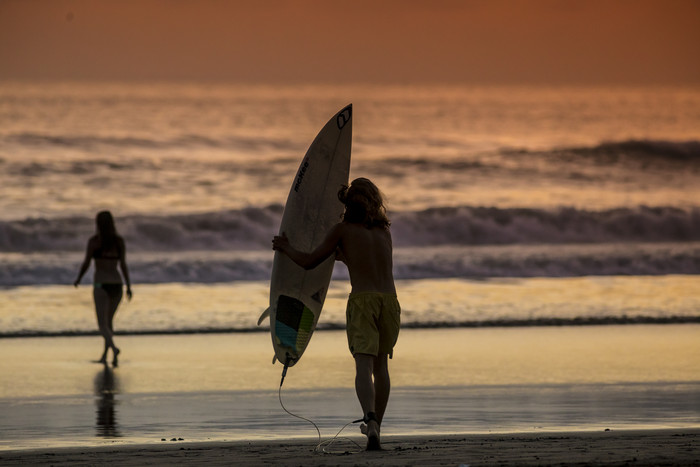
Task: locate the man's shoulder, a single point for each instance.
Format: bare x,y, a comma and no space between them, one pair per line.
357,228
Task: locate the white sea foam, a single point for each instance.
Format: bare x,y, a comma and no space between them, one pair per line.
447,261
427,303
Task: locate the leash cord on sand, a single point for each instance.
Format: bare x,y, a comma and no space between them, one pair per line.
322,446
325,445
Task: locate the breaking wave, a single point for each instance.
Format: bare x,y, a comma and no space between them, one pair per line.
472,242
633,150
488,226
669,150
252,228
475,262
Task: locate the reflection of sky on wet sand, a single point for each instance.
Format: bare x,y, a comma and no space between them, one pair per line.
440,357
222,386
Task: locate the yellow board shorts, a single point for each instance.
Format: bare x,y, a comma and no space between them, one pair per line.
373,321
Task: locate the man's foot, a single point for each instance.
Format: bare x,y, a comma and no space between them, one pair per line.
371,429
115,361
372,436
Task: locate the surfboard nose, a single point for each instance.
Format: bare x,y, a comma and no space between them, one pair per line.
344,116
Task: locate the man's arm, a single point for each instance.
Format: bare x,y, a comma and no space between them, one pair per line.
314,258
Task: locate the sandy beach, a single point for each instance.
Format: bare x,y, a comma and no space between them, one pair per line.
650,447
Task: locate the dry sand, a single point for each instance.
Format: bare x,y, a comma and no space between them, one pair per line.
647,447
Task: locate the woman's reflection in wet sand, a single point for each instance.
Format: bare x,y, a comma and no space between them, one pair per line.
106,387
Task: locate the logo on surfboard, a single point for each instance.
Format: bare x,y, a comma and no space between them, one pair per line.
300,176
344,117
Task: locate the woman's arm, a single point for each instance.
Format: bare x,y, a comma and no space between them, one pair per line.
125,269
314,258
86,262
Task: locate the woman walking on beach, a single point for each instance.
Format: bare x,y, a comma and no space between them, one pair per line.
363,242
108,250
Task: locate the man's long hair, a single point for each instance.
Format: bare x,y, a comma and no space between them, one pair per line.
364,204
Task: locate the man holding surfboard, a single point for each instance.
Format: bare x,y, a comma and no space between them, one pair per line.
363,242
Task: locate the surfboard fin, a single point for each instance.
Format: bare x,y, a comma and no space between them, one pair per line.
320,295
274,359
264,315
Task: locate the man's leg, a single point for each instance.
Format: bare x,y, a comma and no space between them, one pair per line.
364,384
364,387
382,385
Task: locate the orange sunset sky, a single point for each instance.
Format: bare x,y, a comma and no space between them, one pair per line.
325,41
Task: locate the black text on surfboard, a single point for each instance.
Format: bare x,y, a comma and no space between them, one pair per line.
300,176
344,116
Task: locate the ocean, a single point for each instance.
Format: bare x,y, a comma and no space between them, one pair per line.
509,205
547,259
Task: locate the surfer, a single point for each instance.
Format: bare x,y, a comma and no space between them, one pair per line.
108,250
362,240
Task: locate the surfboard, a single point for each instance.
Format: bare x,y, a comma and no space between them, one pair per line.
312,208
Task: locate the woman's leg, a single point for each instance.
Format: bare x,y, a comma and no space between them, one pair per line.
115,296
102,307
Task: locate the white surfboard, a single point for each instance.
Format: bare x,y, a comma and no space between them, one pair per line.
297,295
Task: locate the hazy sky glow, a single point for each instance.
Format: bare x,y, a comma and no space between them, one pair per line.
325,41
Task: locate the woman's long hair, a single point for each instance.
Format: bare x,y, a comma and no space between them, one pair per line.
364,204
106,231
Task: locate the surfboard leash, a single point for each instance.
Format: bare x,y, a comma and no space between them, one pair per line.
279,394
325,445
322,446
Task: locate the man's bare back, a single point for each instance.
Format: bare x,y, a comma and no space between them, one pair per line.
366,252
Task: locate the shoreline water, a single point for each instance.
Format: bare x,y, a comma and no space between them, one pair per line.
180,308
534,323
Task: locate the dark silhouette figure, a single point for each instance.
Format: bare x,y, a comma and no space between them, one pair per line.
106,386
363,242
108,250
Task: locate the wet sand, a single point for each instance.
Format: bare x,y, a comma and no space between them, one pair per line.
639,448
461,396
